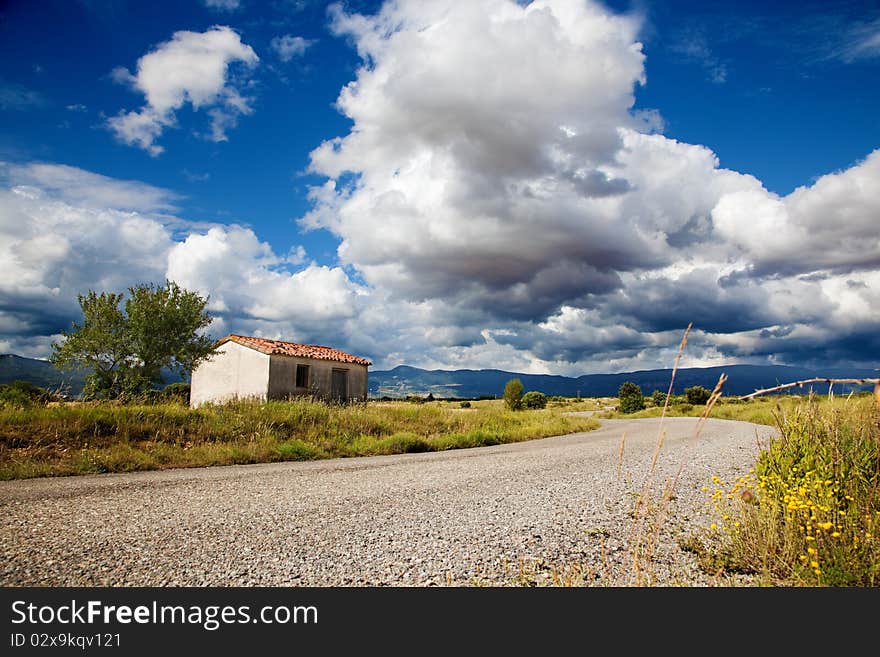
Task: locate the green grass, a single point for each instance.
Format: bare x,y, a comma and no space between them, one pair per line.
69,439
809,512
761,410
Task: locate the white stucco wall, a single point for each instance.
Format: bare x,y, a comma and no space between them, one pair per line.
233,372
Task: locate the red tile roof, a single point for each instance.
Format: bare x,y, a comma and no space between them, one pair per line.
281,348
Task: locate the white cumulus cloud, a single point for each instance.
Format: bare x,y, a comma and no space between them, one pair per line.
497,185
242,276
831,224
194,68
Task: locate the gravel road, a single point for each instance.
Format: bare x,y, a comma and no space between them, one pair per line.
461,517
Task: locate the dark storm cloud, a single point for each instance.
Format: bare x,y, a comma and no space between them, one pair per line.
857,346
663,304
586,342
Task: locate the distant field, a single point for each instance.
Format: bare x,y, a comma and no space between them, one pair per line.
82,438
761,410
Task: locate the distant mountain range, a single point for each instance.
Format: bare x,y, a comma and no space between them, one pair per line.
742,379
471,384
42,373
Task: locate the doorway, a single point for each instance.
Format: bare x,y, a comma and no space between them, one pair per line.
339,386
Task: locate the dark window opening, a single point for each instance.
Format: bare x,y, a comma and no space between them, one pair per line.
302,376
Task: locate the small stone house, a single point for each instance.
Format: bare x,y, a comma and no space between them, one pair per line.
247,367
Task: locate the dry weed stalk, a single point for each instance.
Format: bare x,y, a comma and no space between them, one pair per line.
716,394
643,551
669,492
635,542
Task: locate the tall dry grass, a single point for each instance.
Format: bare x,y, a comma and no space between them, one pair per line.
106,437
809,512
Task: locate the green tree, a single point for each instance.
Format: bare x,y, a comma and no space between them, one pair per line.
513,393
658,397
534,399
630,397
99,344
697,395
163,328
125,351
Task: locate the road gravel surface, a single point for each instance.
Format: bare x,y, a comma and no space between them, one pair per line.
538,512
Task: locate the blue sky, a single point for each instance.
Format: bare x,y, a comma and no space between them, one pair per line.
550,187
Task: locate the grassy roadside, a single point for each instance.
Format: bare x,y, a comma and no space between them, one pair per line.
808,514
103,437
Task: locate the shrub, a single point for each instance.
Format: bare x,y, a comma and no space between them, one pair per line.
697,395
534,399
513,393
659,398
631,397
176,392
147,396
465,404
21,394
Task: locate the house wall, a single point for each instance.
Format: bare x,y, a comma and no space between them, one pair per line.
282,378
233,372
